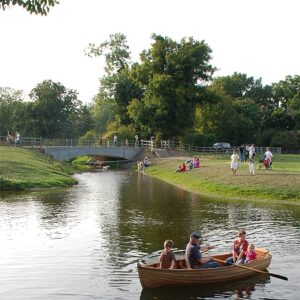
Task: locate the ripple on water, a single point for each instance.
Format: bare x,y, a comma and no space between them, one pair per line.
84,242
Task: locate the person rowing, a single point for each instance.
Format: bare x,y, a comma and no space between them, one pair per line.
193,255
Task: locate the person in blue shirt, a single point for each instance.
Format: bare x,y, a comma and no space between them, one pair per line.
193,256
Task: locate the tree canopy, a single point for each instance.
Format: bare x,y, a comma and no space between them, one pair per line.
170,93
38,7
159,93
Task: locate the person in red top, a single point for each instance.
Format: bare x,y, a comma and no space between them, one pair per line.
250,253
167,258
240,247
183,168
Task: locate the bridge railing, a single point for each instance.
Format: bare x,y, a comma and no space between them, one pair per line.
38,142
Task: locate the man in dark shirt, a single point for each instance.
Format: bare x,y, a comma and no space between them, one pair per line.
193,256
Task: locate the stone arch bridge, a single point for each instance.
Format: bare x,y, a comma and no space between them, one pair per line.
62,153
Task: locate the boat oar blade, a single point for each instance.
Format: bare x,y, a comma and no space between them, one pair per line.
255,270
278,276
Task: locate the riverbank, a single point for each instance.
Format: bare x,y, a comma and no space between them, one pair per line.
22,169
214,178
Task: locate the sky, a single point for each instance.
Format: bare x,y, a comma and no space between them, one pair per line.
257,37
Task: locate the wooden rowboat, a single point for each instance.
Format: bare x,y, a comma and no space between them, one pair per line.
151,276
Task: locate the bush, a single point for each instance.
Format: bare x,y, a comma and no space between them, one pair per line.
288,140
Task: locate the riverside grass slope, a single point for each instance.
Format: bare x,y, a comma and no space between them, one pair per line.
214,178
26,169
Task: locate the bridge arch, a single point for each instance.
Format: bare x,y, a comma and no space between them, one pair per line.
66,153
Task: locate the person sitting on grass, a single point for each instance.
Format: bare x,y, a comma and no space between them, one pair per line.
183,168
167,258
178,169
198,165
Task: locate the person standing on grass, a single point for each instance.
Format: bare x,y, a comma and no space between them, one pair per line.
251,165
242,153
234,162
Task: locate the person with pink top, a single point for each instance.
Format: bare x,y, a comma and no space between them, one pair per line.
250,253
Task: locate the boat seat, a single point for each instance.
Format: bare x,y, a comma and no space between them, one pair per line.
180,264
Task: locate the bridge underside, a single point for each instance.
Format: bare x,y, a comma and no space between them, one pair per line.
67,153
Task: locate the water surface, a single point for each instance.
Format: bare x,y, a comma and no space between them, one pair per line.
83,242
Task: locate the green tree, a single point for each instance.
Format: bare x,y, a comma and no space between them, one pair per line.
55,110
103,113
172,76
286,96
116,87
38,7
234,120
240,85
11,103
115,51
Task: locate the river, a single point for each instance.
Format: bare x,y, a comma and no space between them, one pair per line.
83,242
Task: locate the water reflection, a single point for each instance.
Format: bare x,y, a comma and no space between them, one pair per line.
83,242
234,290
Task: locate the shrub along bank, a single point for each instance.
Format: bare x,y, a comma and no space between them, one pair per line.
214,177
25,169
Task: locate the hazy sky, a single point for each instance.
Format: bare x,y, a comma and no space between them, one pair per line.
256,37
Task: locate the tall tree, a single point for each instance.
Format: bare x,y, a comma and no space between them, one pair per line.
11,102
173,77
55,109
286,95
112,98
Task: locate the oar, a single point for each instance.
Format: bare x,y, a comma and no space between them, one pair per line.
255,270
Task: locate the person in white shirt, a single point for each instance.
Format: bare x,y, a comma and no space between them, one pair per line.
268,154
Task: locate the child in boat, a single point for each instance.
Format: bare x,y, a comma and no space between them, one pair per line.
167,258
250,253
240,247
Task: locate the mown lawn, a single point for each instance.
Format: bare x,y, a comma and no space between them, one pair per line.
214,177
24,169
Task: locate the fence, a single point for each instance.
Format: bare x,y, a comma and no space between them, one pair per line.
149,145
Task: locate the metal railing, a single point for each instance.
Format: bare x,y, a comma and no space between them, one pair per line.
150,145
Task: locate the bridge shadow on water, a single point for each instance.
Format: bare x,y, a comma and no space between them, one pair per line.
233,290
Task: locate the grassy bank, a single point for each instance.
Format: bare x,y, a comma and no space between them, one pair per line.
214,177
26,169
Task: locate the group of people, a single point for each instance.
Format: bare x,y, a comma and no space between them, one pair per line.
242,252
236,159
13,140
188,165
141,165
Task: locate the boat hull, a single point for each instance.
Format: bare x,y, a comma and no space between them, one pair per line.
152,277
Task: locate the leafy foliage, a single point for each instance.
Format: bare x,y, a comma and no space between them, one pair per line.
54,111
160,90
38,7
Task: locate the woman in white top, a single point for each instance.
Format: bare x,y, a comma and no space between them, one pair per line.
234,162
268,154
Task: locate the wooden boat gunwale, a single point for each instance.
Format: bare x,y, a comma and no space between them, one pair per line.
151,276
